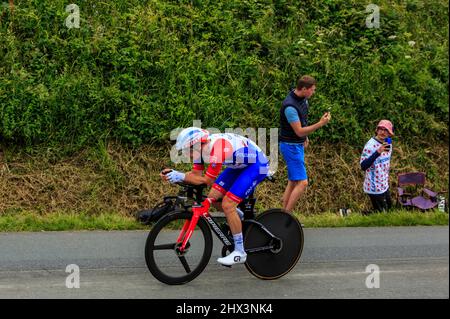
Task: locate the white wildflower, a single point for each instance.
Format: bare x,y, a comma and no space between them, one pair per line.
392,37
411,43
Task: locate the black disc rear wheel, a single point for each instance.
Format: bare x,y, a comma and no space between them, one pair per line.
162,253
275,263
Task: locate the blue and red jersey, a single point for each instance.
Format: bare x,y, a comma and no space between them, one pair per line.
232,150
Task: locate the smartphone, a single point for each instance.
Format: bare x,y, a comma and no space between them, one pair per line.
387,142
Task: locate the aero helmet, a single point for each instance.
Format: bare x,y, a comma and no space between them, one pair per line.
190,136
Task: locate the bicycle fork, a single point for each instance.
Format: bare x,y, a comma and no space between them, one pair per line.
187,230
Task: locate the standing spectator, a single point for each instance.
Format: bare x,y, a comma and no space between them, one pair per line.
294,138
376,161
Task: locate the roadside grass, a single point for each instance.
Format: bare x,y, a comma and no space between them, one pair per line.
33,222
68,221
392,218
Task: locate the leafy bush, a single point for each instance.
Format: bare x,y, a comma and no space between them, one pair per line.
135,70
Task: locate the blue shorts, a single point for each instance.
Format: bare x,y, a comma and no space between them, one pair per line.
294,156
239,183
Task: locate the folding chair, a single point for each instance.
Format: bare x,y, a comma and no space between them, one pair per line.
411,191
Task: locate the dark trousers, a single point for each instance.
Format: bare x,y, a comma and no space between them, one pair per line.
381,202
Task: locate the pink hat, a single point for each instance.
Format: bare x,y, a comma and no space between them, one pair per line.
387,125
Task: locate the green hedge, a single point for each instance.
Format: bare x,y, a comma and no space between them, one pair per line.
137,69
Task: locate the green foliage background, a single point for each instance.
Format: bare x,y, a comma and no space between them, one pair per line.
137,69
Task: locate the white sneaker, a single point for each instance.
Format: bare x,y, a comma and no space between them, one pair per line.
236,257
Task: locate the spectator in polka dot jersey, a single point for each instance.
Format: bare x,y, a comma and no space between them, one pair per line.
375,161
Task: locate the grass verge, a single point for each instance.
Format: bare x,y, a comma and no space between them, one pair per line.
393,218
32,222
26,221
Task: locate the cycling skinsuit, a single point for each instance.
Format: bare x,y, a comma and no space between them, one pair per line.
246,163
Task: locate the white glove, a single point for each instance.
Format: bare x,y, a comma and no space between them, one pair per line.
175,177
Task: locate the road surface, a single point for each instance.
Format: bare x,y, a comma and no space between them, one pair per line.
412,262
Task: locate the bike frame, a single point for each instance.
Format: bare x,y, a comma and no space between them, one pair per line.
189,226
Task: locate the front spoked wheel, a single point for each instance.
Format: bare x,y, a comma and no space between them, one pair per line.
163,255
274,263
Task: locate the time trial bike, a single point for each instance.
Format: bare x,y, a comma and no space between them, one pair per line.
179,245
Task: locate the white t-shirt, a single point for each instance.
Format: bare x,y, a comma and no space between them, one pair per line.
377,175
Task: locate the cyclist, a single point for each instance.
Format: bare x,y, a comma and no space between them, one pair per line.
247,166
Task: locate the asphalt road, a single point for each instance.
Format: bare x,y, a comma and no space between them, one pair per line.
413,262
